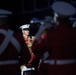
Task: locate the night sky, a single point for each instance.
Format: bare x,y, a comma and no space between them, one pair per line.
24,10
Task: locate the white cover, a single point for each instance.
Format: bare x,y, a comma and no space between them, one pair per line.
25,26
63,8
5,12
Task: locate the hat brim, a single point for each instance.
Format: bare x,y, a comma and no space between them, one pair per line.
26,29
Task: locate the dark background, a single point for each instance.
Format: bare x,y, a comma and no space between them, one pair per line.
24,10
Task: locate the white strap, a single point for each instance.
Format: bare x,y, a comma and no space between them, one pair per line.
60,62
8,62
13,40
52,62
16,44
6,41
46,54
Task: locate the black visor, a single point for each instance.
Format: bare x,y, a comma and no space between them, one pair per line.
26,29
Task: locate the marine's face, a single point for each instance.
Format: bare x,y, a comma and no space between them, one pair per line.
26,32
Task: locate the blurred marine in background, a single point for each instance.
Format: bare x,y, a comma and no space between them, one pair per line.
58,47
13,50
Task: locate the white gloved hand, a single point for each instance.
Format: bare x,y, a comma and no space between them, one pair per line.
24,68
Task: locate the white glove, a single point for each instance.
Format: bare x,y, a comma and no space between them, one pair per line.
26,69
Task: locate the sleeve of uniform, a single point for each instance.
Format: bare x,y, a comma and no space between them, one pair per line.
38,48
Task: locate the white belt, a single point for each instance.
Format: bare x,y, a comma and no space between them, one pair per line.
60,62
8,62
